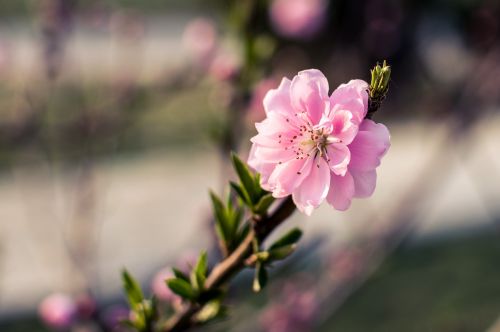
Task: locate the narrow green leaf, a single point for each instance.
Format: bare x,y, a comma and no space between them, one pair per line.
220,233
264,203
199,272
281,252
242,233
220,217
217,205
179,274
144,314
292,237
260,278
182,288
245,177
154,308
242,193
132,289
236,217
260,191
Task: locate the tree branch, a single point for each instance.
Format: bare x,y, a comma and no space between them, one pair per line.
231,265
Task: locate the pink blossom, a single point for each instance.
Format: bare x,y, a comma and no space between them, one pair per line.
58,310
314,146
298,18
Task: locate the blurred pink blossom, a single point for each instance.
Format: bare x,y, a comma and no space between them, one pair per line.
293,311
298,18
225,65
314,146
58,310
200,40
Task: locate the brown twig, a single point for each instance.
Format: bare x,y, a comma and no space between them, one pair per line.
232,264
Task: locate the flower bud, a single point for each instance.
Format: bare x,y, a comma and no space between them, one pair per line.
379,86
380,80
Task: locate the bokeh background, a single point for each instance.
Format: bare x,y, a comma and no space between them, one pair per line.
116,118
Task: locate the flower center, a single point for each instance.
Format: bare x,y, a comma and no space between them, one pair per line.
316,142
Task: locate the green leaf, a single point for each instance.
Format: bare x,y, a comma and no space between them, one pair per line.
199,272
132,289
281,252
242,193
142,317
292,237
264,203
242,233
260,191
236,217
260,278
179,274
220,217
182,288
218,206
246,178
154,308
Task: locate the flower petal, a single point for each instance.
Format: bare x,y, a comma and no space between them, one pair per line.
364,182
265,169
278,100
273,155
352,96
341,191
369,146
275,124
309,94
289,175
314,189
343,126
338,156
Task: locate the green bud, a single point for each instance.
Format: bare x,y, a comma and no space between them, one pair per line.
379,86
380,80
